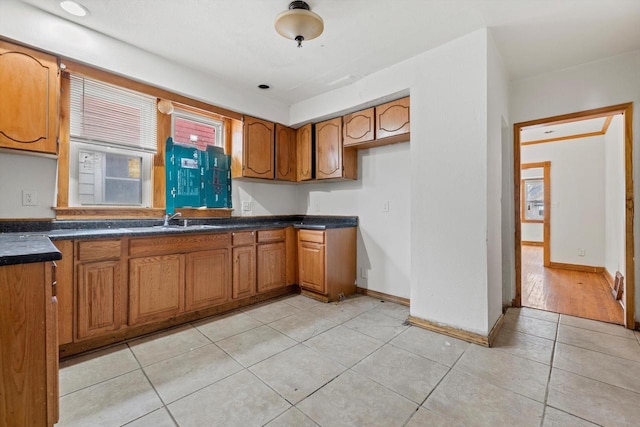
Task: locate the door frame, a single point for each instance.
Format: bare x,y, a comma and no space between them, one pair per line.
546,223
627,110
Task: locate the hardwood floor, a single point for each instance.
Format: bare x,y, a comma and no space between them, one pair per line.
567,292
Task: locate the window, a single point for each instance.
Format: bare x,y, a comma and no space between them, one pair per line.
533,200
197,130
113,136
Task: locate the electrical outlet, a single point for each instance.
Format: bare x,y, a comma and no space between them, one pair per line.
363,272
29,198
317,206
385,207
246,206
581,252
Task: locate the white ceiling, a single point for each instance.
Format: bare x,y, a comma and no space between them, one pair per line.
561,130
235,42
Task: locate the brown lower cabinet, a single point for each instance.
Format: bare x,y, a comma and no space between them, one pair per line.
327,262
244,271
28,345
271,262
208,279
127,287
100,288
156,288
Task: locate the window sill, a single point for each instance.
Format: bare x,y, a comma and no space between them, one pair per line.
540,221
129,213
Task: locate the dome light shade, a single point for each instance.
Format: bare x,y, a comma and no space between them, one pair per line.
299,23
165,106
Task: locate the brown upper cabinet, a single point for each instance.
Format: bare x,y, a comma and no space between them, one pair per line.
304,151
285,153
258,144
358,127
30,84
392,119
332,160
381,125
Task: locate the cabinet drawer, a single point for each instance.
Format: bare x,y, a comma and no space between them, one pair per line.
243,238
311,236
271,235
98,249
177,244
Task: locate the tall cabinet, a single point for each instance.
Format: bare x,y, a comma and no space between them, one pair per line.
28,345
29,88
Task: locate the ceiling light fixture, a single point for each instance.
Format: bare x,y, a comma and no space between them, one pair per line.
165,106
299,23
74,8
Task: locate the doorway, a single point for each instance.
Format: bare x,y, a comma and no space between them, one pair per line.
562,272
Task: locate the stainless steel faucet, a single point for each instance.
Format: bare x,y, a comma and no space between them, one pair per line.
168,218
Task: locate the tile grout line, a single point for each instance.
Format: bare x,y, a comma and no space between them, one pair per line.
164,405
546,391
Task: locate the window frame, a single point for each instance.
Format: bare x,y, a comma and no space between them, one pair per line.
524,199
231,120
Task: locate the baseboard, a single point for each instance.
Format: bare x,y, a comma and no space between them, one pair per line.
383,296
577,267
608,277
531,243
472,337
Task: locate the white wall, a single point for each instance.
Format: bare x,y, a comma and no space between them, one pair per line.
449,271
602,83
449,228
265,198
614,257
383,237
20,172
532,231
577,197
497,108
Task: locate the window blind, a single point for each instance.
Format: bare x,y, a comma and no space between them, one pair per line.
110,115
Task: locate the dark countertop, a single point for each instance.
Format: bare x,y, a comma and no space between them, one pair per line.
30,241
18,249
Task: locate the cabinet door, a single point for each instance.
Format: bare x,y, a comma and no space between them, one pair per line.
26,368
285,153
358,127
208,279
311,266
304,153
156,288
99,298
244,271
329,149
392,118
29,99
64,286
258,148
271,266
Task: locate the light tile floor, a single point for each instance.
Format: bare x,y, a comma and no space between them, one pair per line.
297,362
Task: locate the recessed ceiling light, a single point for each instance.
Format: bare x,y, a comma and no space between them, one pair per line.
74,8
264,86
